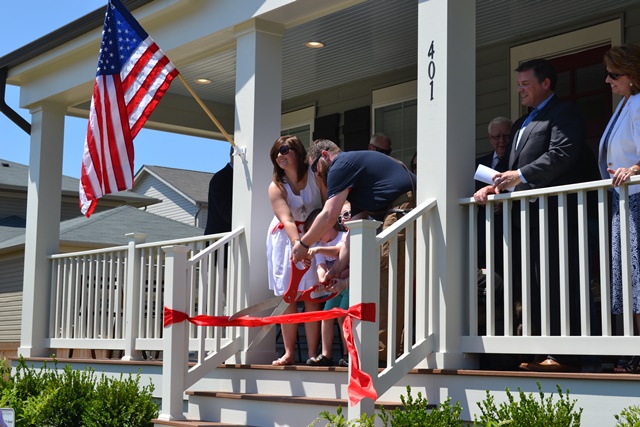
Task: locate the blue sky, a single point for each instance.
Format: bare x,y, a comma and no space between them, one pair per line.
24,22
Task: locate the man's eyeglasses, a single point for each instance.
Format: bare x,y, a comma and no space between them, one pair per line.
344,216
381,150
615,76
500,136
284,150
314,165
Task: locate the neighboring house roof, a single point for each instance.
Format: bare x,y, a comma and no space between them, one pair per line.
15,177
193,185
109,228
11,226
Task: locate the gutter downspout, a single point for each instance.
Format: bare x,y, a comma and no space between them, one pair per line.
6,109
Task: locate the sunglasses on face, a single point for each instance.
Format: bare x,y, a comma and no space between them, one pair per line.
314,165
381,150
344,216
614,76
284,150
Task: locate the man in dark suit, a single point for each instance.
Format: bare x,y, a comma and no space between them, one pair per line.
220,198
547,149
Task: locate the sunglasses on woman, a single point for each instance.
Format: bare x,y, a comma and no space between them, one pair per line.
614,76
284,150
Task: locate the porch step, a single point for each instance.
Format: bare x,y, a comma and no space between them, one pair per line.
276,398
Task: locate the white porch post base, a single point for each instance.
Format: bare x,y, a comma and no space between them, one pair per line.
175,339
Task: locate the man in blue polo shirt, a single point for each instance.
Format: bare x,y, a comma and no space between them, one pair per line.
377,186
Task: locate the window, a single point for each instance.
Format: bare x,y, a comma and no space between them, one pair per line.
299,123
395,113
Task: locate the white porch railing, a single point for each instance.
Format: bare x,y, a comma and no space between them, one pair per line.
582,233
113,298
408,236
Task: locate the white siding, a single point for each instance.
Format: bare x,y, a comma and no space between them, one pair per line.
10,298
173,206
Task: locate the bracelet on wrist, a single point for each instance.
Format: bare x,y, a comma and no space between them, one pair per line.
303,244
634,170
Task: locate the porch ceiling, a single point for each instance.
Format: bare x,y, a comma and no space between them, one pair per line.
379,36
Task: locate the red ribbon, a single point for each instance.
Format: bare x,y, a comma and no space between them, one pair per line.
360,383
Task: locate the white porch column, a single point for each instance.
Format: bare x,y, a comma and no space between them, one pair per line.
43,224
446,152
257,126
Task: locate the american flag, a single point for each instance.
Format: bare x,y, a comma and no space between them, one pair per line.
132,75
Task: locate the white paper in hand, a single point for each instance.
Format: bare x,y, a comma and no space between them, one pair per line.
486,174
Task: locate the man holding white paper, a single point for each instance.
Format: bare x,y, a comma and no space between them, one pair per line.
547,148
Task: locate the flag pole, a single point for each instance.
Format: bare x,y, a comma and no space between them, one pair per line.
206,110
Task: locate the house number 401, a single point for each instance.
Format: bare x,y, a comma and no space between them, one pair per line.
431,70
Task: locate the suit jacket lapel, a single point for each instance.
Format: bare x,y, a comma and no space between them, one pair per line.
515,153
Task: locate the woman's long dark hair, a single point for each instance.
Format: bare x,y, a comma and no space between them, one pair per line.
294,144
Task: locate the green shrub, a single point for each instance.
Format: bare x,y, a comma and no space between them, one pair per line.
629,417
338,420
529,412
417,413
48,398
412,413
121,403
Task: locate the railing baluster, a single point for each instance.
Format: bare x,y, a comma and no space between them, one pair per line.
625,254
392,298
490,283
583,254
157,295
473,273
104,296
525,267
409,281
604,249
563,264
507,270
543,255
54,306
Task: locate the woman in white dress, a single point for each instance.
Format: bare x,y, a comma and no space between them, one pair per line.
294,192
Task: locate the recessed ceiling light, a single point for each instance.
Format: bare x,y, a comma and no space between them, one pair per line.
203,81
314,44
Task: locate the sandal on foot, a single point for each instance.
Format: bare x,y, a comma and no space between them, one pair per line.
321,360
282,361
344,362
